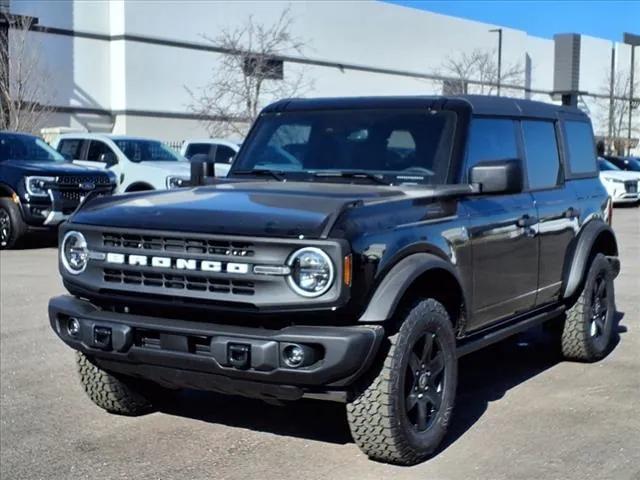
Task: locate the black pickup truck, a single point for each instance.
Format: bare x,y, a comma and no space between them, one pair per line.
357,249
38,188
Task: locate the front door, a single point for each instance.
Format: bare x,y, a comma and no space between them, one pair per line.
502,230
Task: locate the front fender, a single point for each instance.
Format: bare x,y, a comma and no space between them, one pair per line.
391,289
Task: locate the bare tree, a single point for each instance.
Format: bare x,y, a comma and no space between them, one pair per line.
478,68
250,74
614,110
25,92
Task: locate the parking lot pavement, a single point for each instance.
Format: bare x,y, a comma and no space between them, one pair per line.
522,413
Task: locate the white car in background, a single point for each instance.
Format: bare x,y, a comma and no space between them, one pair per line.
622,186
221,152
139,163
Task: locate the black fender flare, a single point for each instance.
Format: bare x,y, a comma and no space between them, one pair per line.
6,190
574,274
398,279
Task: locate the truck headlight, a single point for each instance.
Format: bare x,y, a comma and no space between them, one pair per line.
176,182
312,272
38,186
613,180
74,252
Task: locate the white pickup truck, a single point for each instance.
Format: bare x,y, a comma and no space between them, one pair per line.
139,163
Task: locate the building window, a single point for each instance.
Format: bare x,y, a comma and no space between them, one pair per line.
269,68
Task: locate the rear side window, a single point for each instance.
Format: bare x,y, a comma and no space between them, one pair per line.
541,150
580,147
70,148
491,139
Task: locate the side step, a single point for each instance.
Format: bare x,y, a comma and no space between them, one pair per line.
500,332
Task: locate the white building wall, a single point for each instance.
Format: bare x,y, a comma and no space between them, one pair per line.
136,87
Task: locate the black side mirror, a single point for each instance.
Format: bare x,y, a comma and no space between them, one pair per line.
108,158
202,166
497,176
67,157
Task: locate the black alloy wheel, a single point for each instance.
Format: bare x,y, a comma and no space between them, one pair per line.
424,381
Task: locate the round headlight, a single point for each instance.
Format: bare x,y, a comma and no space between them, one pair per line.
312,272
74,252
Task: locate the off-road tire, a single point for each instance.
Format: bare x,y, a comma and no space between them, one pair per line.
17,225
115,394
378,418
578,342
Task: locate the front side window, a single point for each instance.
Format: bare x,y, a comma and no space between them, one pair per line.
70,148
541,152
138,150
491,139
197,149
28,148
224,154
98,151
396,146
580,146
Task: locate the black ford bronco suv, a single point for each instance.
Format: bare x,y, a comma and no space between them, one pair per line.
38,188
357,249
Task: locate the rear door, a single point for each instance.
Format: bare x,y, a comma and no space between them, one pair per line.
557,207
501,230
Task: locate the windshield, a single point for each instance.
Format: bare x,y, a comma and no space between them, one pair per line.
146,151
605,165
26,147
397,146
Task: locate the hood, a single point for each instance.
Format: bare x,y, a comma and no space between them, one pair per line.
620,175
262,208
181,169
28,167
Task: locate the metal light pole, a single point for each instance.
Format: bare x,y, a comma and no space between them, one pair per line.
499,32
634,41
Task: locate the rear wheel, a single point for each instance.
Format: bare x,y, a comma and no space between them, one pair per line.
588,328
402,415
12,227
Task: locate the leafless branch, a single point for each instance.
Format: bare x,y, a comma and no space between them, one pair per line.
250,75
25,94
478,70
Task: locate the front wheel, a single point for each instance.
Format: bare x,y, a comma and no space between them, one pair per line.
402,415
12,227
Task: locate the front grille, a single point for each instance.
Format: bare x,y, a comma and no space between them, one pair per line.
179,282
631,187
76,180
72,195
178,244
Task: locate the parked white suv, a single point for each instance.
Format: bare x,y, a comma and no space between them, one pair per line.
622,185
139,163
222,152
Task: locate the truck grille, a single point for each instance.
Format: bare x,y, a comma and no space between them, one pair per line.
178,244
76,180
179,282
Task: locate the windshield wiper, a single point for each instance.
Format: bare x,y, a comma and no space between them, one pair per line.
351,174
277,174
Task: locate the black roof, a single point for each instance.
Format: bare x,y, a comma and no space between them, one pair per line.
479,104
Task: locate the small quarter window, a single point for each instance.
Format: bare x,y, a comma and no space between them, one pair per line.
580,146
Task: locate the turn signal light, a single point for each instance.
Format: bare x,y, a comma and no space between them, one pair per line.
347,270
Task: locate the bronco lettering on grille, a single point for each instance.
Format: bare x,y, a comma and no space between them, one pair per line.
177,263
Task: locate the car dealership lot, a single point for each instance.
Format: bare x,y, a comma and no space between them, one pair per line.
521,412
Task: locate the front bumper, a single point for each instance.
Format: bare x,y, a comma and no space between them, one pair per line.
203,355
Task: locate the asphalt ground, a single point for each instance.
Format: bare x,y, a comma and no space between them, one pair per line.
521,413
